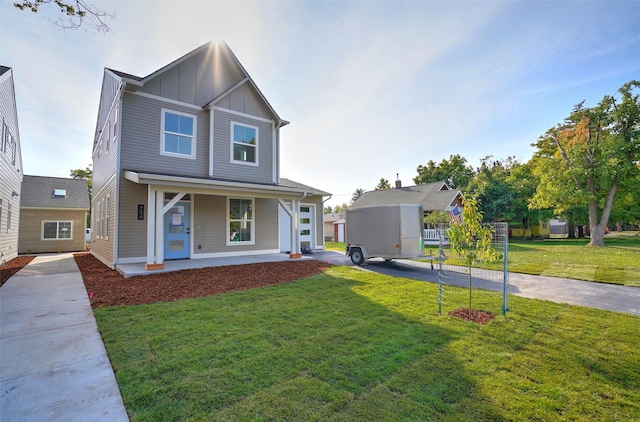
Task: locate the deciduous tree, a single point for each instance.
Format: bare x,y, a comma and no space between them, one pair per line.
75,13
587,159
454,171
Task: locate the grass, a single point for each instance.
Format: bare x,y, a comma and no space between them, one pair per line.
617,263
348,345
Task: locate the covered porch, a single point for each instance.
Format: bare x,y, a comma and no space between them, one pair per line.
165,192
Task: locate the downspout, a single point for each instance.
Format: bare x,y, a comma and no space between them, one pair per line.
116,205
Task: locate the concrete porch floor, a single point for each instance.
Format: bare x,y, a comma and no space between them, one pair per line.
332,257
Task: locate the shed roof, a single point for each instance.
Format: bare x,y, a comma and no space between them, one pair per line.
38,192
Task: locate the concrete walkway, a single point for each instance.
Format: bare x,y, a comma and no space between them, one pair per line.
53,363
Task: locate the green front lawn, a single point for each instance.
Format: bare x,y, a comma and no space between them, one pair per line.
357,346
617,263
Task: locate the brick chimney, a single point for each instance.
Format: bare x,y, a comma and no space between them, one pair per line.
398,182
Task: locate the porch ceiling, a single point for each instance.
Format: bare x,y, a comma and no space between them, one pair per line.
214,186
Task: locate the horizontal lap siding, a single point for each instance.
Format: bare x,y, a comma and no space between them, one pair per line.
10,174
103,248
31,231
132,233
223,168
141,138
210,228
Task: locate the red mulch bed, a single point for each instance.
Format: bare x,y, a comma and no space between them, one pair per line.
107,287
12,267
479,317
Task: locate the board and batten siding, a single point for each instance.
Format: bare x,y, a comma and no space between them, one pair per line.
10,169
244,99
31,230
141,134
223,167
197,79
210,225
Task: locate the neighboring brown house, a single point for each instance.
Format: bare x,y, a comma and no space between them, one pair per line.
53,214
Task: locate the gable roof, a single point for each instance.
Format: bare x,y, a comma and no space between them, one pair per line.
37,192
224,48
432,196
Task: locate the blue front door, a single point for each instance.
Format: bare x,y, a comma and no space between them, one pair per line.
176,231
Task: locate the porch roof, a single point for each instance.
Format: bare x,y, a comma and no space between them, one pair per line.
286,189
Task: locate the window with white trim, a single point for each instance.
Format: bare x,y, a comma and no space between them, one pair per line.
178,134
99,220
106,142
57,230
5,135
244,144
240,227
115,125
105,219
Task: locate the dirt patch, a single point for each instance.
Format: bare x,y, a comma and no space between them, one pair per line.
479,317
107,287
12,267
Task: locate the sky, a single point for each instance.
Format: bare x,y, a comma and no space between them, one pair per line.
372,89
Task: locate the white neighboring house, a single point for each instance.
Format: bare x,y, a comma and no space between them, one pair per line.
10,167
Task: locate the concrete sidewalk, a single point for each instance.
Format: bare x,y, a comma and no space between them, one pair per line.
53,363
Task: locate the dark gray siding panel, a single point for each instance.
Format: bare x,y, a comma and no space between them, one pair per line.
222,165
141,134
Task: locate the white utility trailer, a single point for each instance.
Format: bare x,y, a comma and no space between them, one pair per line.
384,231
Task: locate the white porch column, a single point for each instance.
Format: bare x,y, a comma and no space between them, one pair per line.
152,262
295,229
159,228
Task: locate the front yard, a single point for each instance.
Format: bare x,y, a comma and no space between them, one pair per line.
351,345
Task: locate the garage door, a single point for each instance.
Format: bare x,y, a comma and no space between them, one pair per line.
307,232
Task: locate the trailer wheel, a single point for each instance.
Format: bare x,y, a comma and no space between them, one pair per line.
357,257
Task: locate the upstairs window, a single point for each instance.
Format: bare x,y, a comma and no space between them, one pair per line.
178,134
244,144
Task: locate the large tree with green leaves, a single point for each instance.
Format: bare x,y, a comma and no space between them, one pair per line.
455,172
591,156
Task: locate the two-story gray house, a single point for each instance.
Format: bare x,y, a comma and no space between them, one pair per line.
186,165
10,167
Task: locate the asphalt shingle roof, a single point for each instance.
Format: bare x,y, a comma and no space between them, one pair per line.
37,191
430,196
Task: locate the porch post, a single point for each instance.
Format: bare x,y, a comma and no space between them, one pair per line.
151,229
295,231
160,229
